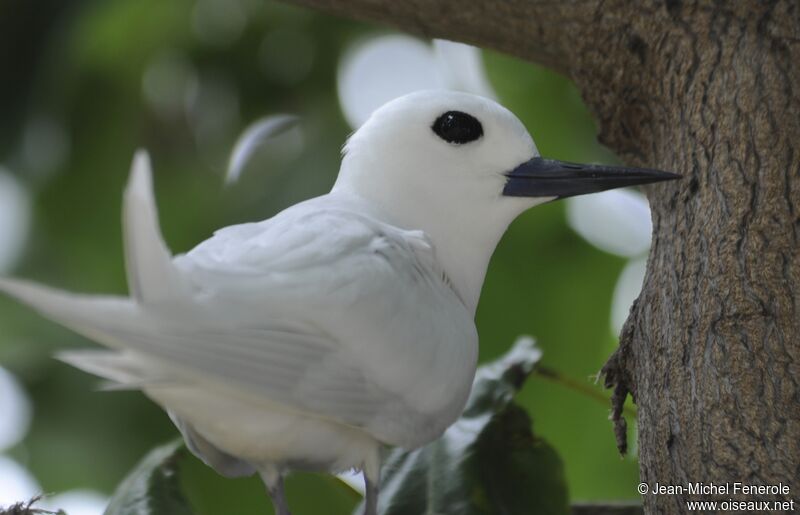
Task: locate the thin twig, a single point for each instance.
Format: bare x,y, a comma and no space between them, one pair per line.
557,377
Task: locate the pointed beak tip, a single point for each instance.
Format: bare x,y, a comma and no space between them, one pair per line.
667,176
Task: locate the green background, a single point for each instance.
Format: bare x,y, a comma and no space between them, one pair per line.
82,63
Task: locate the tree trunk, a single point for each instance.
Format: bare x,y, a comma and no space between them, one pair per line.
711,350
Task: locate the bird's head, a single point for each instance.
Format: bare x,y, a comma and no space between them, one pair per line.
462,167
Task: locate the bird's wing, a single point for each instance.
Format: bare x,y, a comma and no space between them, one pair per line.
321,308
338,314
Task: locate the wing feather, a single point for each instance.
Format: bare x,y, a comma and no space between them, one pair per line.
392,347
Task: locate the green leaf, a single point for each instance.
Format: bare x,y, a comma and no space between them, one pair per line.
171,481
488,462
153,488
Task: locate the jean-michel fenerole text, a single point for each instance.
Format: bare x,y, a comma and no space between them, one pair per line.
733,488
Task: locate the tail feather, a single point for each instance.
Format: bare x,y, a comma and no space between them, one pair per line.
115,321
123,370
152,276
118,367
103,318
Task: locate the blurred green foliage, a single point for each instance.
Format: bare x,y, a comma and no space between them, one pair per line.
84,63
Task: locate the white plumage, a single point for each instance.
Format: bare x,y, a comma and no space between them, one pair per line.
342,324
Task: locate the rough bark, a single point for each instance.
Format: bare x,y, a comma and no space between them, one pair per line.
711,351
709,89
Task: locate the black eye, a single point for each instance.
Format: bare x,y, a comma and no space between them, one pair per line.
457,127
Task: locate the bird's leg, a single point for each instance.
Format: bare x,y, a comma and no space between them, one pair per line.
278,496
372,479
371,498
273,478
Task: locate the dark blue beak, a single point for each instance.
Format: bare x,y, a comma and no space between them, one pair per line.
542,177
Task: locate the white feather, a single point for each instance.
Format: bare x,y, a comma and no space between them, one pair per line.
101,317
151,274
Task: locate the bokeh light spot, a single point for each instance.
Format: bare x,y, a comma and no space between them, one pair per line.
375,71
212,106
16,483
277,135
15,407
166,81
45,145
616,221
380,69
15,220
629,285
218,22
77,502
286,56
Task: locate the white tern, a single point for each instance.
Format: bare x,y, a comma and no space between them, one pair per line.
343,324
